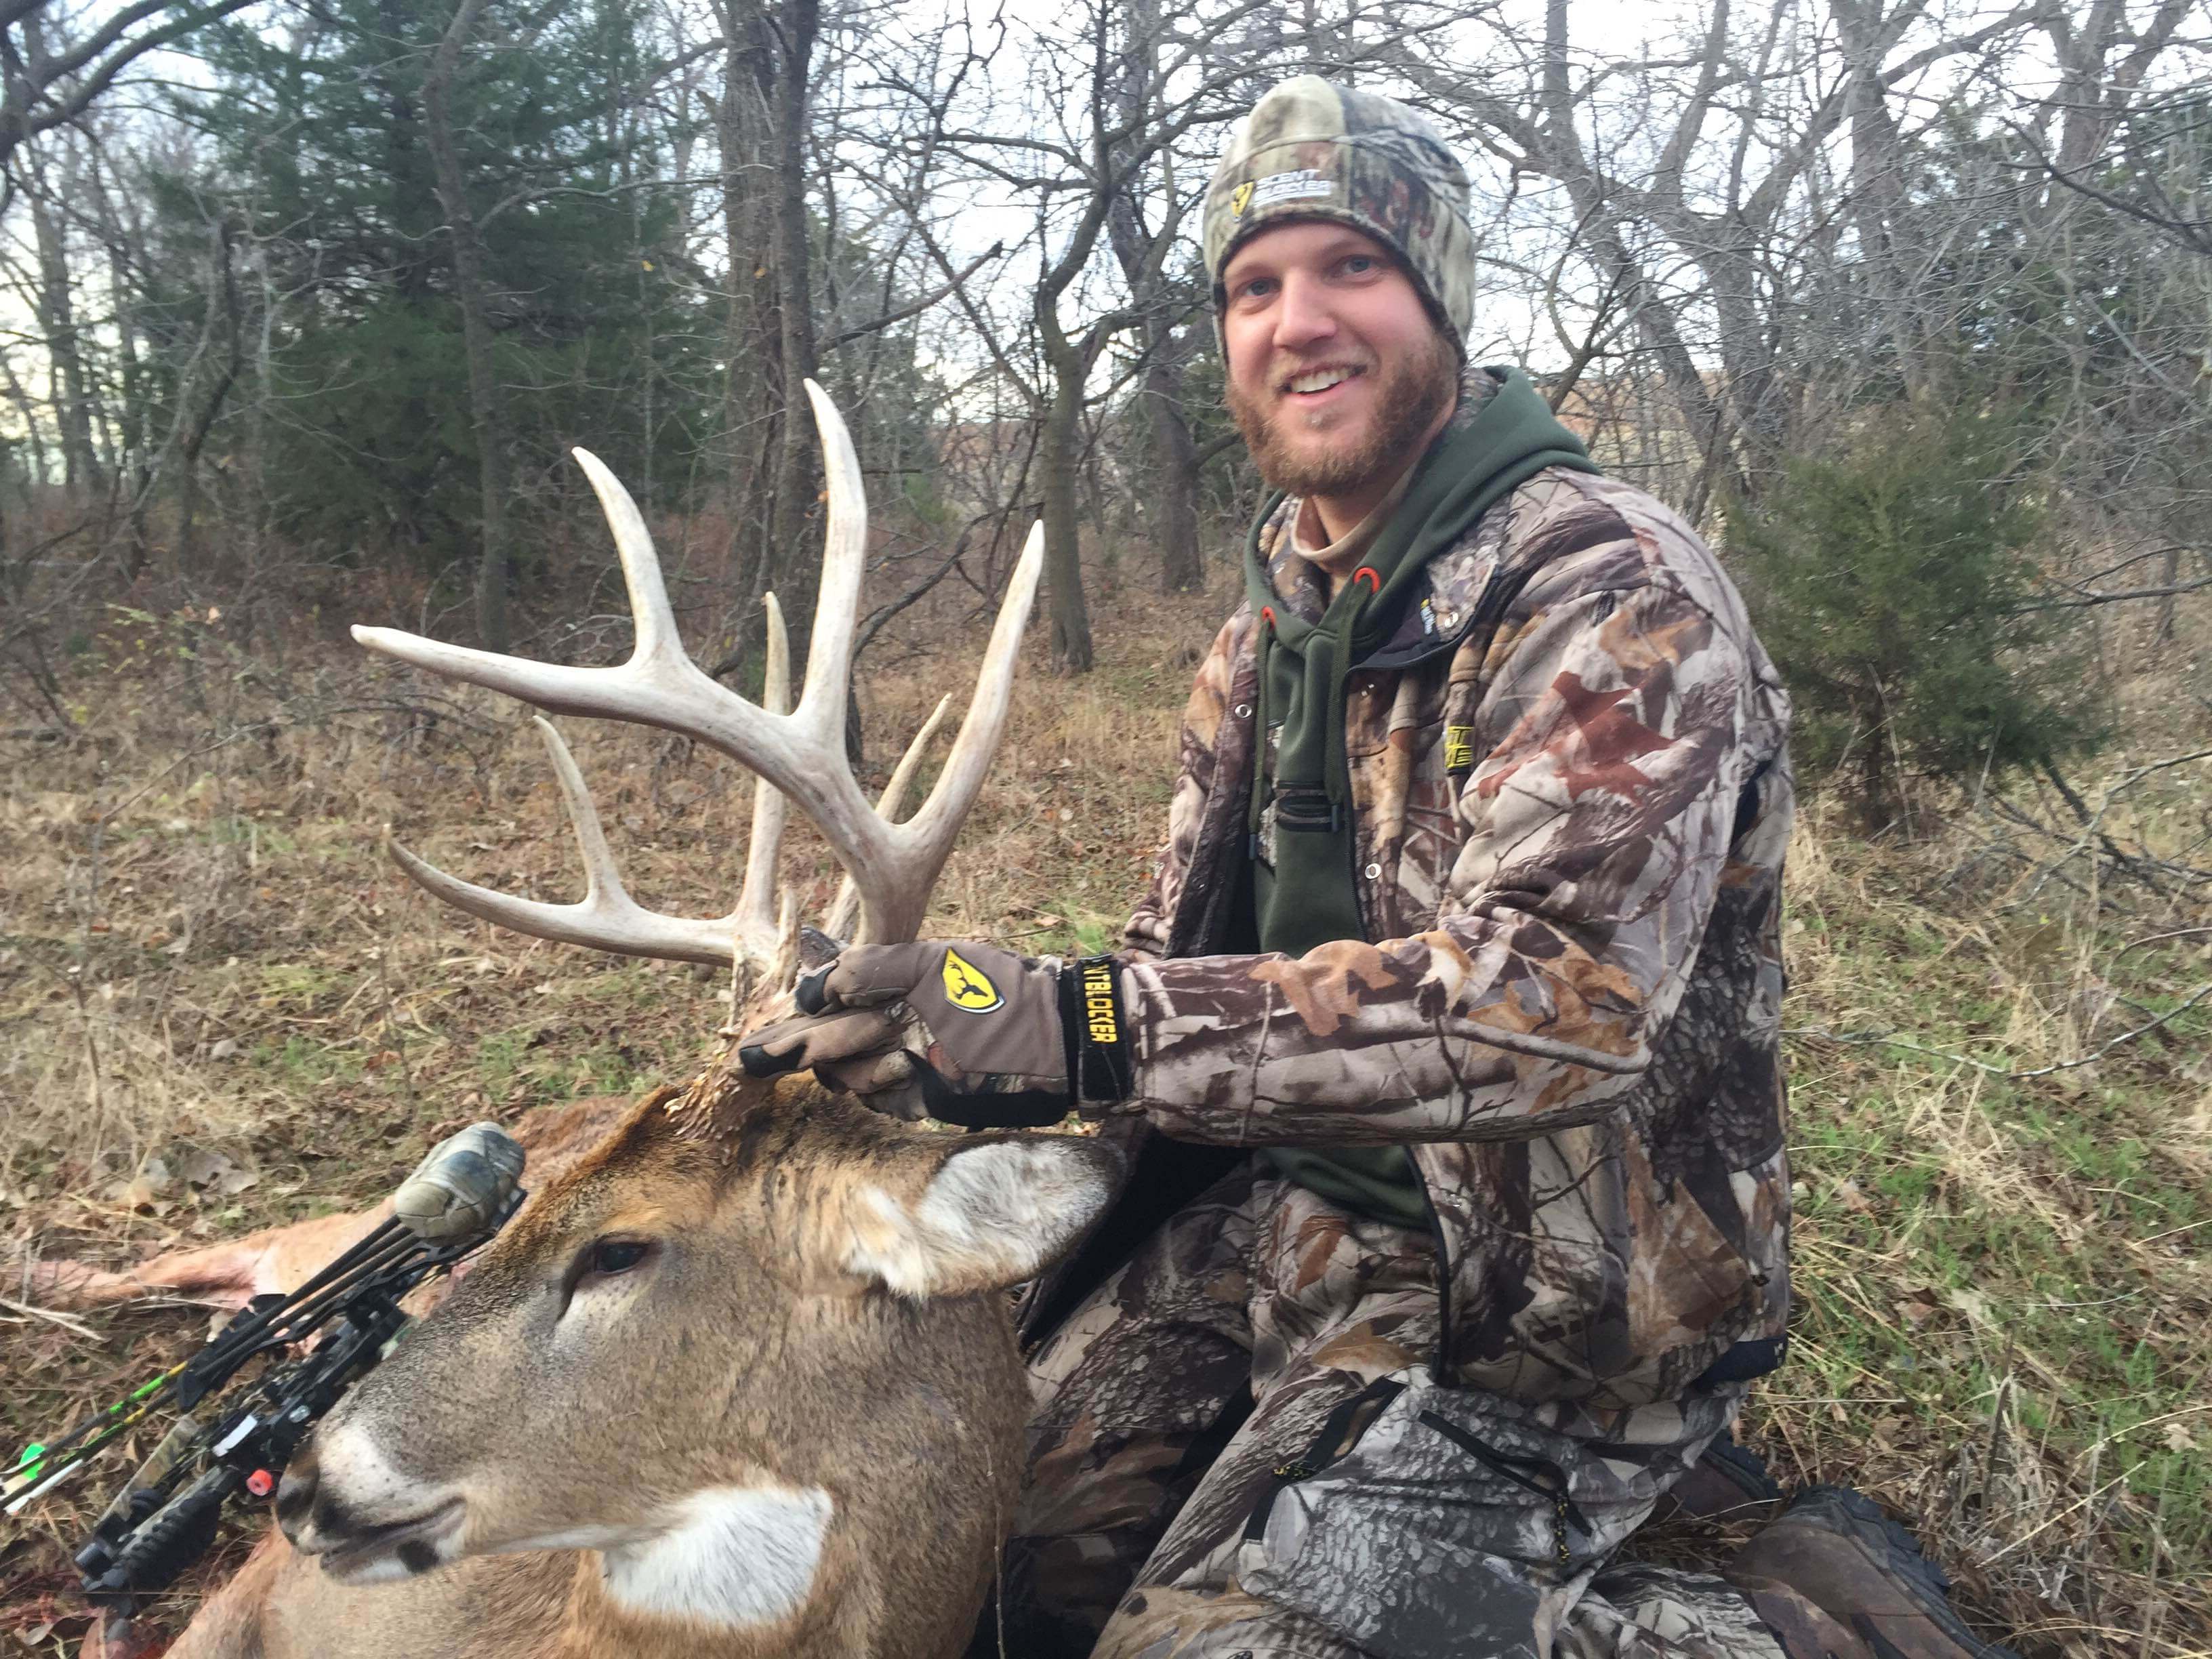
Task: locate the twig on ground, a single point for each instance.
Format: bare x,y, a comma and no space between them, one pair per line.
2159,938
52,1316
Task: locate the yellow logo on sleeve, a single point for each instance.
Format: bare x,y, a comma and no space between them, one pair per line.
1458,748
967,986
1097,987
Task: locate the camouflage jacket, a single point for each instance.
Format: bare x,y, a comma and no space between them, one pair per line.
1572,798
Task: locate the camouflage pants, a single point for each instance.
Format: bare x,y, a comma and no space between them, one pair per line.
1239,1453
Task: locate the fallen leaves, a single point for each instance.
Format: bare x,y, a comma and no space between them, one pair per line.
1917,1308
199,1169
213,1171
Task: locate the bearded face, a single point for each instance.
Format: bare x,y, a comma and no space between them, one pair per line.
1337,373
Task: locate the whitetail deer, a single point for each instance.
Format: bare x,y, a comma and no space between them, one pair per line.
740,1382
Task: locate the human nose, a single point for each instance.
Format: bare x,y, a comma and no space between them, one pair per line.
1302,317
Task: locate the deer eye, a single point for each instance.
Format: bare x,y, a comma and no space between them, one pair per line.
609,1257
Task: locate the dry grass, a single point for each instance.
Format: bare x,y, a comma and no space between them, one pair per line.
224,1008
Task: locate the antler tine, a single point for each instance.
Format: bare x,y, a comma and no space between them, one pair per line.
602,876
929,833
606,917
844,558
757,899
653,621
659,685
838,920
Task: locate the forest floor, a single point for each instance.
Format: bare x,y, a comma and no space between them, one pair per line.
222,1007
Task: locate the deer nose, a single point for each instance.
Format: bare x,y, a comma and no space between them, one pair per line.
295,1493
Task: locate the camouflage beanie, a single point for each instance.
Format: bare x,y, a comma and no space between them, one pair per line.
1311,149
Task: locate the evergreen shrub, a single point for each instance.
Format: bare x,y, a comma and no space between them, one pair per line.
1894,582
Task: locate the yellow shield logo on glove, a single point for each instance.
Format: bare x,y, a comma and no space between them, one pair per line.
967,986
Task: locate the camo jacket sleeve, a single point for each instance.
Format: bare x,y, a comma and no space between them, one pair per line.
1592,831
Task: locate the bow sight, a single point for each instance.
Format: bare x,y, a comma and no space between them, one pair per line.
164,1517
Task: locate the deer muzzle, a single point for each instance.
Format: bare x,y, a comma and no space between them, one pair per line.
346,1504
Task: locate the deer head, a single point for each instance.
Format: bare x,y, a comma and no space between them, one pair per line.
752,1349
747,1350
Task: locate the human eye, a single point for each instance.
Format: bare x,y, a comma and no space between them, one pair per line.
1358,264
1255,287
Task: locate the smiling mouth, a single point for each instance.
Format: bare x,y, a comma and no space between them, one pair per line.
410,1546
1315,381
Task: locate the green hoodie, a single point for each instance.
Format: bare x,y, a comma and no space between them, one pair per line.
1306,897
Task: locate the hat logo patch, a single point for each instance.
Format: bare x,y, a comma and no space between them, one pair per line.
1302,185
1239,199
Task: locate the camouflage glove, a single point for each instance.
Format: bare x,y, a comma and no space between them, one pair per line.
969,1033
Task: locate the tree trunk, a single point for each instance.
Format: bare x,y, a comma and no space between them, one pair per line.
188,436
470,283
133,417
794,552
1060,455
744,137
1174,509
1877,808
1173,449
58,322
740,132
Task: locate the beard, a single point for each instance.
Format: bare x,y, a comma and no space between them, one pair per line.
1408,399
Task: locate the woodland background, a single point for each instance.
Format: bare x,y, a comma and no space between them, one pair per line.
1907,303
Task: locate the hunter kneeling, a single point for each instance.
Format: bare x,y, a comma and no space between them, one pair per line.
1444,1048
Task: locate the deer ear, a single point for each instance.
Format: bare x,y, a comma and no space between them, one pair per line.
991,1214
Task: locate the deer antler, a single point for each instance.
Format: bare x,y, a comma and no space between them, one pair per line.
799,755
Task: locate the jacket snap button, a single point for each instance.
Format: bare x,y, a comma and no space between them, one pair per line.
1243,711
1374,873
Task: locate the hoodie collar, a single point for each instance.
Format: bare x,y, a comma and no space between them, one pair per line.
1300,587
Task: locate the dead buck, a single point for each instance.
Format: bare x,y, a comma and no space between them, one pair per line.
741,1381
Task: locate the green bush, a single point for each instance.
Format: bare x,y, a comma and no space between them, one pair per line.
1894,582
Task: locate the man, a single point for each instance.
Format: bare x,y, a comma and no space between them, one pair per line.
1444,1048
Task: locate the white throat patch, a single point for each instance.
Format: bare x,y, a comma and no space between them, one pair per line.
736,1556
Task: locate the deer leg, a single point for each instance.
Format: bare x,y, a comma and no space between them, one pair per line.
225,1277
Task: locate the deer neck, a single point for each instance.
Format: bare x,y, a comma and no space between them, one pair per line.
741,1573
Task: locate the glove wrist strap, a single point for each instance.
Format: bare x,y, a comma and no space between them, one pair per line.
1098,1069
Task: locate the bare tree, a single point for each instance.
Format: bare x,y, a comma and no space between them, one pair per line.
1168,339
58,322
43,86
1109,93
